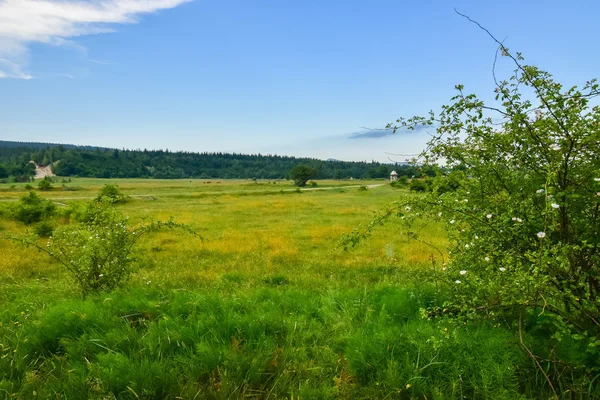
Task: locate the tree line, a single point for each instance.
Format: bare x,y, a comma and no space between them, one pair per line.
86,161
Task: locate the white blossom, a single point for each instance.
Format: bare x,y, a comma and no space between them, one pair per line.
487,259
457,281
554,205
540,191
597,179
488,216
541,235
502,269
452,221
463,272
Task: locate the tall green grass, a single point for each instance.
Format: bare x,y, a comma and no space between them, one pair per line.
273,342
269,306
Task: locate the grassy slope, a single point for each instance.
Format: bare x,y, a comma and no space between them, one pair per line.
268,306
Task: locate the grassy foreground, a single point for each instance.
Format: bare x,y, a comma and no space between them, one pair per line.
268,306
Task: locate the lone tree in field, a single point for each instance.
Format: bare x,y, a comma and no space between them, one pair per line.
113,193
524,218
45,185
301,173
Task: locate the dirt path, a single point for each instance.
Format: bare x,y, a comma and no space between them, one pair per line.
145,196
340,187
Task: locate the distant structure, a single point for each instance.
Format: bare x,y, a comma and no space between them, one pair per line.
393,176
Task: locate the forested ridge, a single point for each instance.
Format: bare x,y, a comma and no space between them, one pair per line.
89,161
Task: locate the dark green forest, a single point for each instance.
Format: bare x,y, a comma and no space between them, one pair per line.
97,162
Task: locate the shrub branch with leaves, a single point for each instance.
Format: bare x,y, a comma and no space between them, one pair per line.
524,216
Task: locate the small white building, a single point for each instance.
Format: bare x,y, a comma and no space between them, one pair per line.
393,176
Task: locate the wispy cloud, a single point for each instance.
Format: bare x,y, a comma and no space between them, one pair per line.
99,61
57,22
380,133
371,134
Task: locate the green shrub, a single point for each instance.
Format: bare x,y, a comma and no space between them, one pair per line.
400,183
32,208
45,185
418,185
97,250
44,229
113,193
520,200
363,188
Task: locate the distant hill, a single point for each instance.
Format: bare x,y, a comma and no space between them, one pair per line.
92,161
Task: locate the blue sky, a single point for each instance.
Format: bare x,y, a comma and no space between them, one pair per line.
287,77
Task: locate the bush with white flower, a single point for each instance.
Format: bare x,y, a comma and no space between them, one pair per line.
526,245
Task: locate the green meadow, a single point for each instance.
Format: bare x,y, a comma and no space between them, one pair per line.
267,305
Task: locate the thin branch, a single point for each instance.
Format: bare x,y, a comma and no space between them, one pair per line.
520,67
532,356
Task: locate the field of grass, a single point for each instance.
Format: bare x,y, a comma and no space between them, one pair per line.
267,306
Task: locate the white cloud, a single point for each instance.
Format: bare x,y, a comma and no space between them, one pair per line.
99,61
56,22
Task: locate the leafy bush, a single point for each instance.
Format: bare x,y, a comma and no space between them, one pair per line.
418,185
362,188
301,173
113,193
314,184
32,208
97,250
400,183
45,185
524,218
44,229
